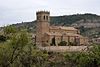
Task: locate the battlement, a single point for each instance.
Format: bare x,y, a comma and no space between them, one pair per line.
42,12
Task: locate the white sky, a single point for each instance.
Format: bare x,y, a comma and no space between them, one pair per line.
14,11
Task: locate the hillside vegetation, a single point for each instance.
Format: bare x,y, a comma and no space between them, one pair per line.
70,19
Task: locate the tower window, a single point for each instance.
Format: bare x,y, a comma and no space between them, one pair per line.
44,17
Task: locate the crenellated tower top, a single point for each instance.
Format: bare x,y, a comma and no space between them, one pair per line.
43,16
42,12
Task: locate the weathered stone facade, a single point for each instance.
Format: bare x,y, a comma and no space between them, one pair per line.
45,33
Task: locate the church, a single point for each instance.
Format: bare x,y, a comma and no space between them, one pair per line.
47,35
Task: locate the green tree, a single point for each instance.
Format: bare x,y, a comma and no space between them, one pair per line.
10,29
14,49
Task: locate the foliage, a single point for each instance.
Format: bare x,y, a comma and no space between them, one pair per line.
19,51
10,29
2,38
72,44
62,43
67,20
84,59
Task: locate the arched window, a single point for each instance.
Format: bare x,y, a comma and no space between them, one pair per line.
44,17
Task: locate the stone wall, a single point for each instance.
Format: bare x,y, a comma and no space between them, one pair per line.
64,48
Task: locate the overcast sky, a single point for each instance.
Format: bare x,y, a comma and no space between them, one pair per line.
15,11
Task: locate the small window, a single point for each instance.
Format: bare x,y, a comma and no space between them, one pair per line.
44,17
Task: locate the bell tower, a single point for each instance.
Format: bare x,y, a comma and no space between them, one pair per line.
42,26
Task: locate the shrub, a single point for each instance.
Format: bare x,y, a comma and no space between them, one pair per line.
2,38
62,43
72,44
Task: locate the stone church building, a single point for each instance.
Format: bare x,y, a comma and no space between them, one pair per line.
47,35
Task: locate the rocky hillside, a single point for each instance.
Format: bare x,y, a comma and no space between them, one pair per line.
87,23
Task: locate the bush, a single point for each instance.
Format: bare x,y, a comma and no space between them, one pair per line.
62,43
10,29
2,38
72,44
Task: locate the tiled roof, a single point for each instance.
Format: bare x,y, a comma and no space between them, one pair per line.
62,34
54,34
62,27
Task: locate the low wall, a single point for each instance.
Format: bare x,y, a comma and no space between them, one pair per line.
64,48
